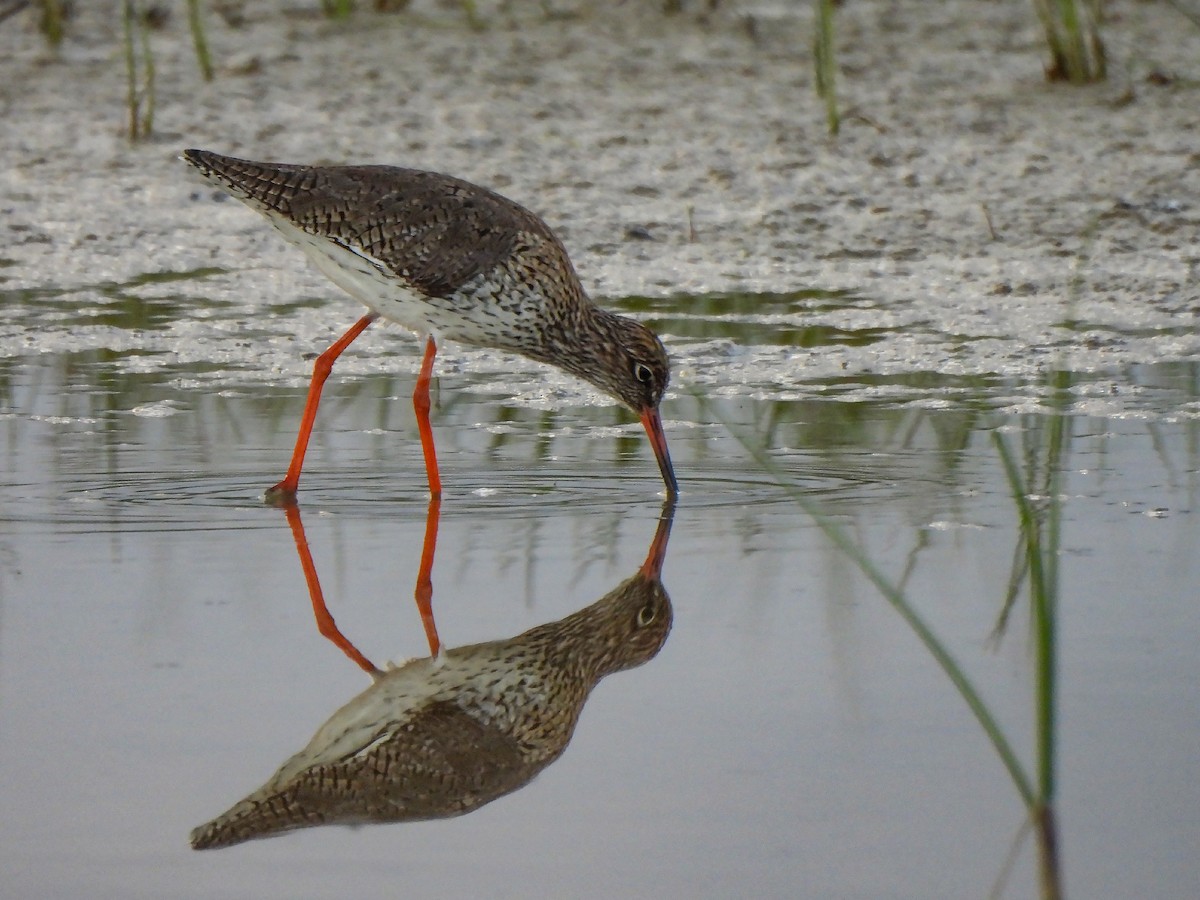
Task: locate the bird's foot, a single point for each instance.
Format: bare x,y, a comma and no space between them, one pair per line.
281,495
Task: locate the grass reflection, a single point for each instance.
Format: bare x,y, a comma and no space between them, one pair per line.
735,304
1034,478
1036,492
116,304
754,319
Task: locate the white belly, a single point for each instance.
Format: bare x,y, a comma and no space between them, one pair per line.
465,316
398,694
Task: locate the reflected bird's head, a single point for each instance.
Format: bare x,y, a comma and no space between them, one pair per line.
623,629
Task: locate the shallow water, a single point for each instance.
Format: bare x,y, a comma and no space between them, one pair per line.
160,657
852,323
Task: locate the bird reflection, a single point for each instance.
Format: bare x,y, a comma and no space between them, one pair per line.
443,735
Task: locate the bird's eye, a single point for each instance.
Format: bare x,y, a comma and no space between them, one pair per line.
642,373
645,616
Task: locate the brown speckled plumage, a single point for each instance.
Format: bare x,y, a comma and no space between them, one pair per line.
490,272
441,737
435,232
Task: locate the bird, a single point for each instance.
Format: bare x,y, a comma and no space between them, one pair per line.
443,735
449,260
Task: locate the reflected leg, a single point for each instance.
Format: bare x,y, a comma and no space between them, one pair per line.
325,623
424,589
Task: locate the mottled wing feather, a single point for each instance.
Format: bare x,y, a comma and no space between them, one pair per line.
433,231
441,762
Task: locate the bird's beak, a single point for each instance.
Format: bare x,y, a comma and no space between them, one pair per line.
658,440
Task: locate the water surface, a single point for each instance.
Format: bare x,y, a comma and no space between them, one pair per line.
160,657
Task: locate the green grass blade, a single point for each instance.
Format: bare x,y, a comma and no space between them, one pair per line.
199,40
132,99
338,9
825,63
899,602
51,23
1072,30
148,82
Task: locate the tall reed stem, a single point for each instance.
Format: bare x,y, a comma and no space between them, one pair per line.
1072,30
140,98
825,63
196,23
52,21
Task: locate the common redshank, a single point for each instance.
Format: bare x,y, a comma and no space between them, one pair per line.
447,259
442,736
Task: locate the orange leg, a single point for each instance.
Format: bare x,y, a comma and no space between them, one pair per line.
421,405
424,589
325,623
286,489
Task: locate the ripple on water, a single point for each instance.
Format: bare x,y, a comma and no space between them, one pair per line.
133,502
153,501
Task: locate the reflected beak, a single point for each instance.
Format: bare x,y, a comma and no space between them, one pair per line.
652,567
658,440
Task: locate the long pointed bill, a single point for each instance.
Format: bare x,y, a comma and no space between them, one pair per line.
658,440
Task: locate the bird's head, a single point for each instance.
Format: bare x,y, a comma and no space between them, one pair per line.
631,364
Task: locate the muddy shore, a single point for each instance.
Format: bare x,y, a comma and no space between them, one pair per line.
989,222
